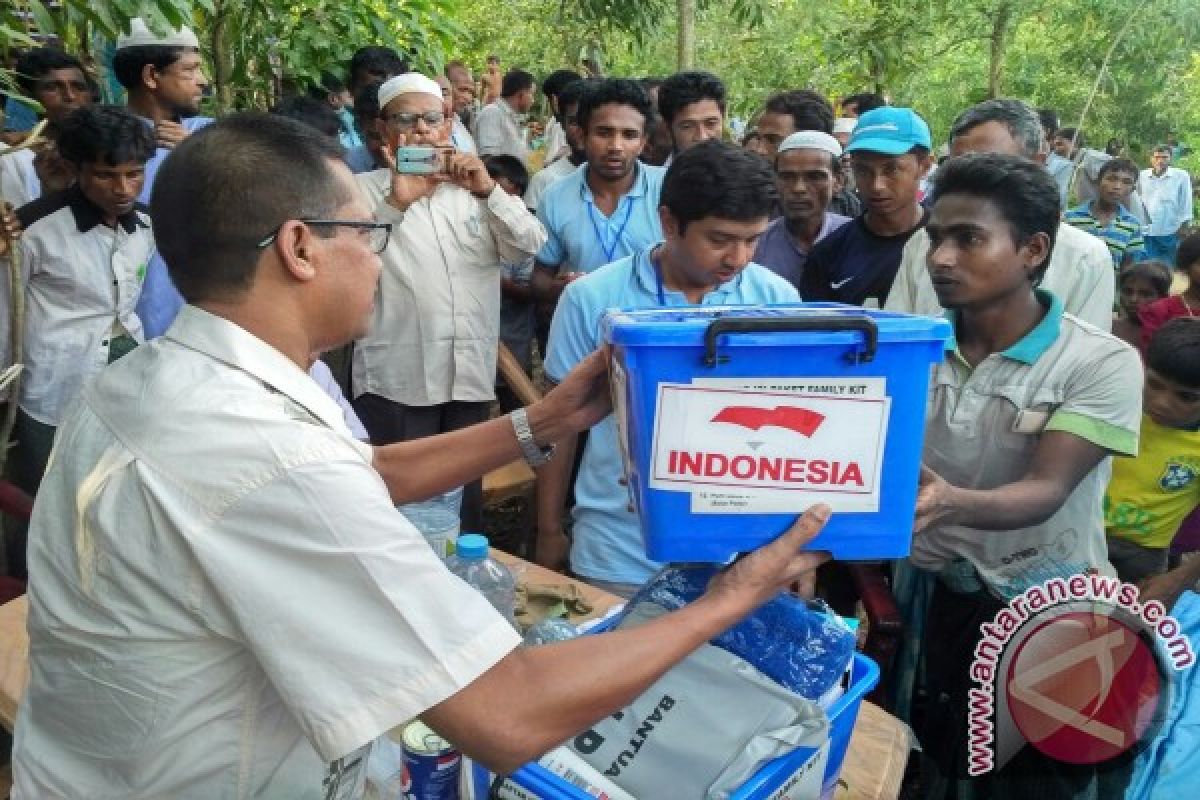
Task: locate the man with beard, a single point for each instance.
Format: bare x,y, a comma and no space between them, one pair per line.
807,168
164,76
692,106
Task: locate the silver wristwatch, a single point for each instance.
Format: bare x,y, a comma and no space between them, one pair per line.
535,456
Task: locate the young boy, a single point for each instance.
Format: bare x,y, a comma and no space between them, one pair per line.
1108,217
516,297
84,255
1139,285
1149,496
1024,412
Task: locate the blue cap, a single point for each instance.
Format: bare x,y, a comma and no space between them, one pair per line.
471,546
891,131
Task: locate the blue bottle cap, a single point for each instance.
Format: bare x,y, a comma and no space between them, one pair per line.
471,546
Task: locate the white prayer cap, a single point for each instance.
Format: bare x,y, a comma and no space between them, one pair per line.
408,83
844,124
141,36
812,140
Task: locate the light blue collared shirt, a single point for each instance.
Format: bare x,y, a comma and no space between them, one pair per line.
607,541
160,301
582,238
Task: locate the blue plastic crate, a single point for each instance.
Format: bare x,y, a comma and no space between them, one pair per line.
864,676
735,419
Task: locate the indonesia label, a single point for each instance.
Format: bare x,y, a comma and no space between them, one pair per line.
771,445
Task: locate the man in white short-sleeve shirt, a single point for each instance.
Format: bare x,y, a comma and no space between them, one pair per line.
223,600
1080,270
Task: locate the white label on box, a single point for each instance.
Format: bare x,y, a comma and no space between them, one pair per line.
752,451
806,782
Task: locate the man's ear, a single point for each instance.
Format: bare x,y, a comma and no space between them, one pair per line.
295,247
149,77
670,225
1036,252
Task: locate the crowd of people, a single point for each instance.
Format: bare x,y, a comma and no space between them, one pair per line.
255,247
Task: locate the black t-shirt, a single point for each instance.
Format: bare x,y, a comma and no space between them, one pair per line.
852,264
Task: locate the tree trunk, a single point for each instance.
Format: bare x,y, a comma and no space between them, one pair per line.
687,34
999,41
222,69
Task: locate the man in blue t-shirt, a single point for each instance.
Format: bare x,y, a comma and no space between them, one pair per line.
606,209
716,201
856,264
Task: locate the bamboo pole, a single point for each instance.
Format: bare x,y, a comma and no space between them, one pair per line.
16,306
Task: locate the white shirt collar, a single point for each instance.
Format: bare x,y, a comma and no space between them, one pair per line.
231,344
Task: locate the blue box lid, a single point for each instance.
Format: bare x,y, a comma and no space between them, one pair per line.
686,326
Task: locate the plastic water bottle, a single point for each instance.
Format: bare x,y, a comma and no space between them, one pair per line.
437,520
491,578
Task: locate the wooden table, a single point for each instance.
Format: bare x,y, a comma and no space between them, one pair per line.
873,768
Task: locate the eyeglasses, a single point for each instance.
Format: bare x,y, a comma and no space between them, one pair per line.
407,120
378,232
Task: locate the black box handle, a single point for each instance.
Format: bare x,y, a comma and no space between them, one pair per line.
840,322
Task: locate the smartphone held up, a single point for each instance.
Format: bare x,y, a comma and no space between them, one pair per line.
423,159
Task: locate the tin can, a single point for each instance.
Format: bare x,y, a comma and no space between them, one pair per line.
431,765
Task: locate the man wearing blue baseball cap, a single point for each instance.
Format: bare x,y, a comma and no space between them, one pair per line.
890,154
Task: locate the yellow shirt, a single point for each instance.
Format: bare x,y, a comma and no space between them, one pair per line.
1149,496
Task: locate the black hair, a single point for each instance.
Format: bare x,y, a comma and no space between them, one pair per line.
514,81
864,102
718,179
1188,254
33,64
1048,118
1069,134
128,62
366,102
110,135
1163,148
650,83
212,207
809,110
1119,165
330,84
572,93
1156,273
506,166
1174,351
1023,191
684,88
312,112
376,59
556,81
618,91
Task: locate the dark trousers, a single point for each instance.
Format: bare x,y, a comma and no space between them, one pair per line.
951,633
32,442
389,422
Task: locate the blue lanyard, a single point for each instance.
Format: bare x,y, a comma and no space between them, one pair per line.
658,278
610,249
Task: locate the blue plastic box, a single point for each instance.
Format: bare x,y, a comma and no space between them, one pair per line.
733,420
864,675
